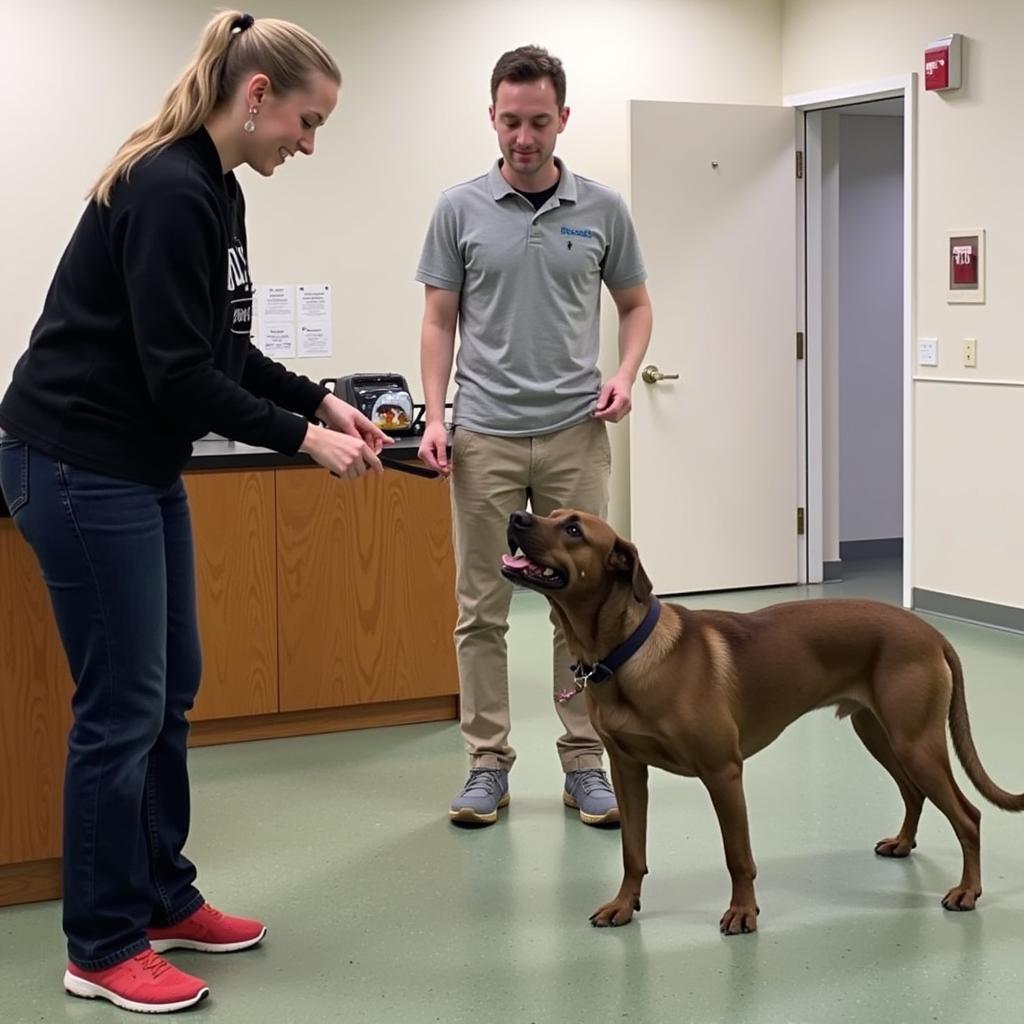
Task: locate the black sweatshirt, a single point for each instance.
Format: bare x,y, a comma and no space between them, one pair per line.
143,344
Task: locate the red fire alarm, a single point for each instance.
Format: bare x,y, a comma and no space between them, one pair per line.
942,64
963,262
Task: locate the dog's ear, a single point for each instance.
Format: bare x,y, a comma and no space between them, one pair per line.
623,558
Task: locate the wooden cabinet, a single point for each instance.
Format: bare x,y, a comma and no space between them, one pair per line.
236,584
35,716
366,585
323,605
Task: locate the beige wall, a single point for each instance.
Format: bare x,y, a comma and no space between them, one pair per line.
968,453
412,120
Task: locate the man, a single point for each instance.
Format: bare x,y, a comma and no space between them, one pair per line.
516,258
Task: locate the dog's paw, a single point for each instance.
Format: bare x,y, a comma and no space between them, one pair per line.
961,898
614,914
895,847
739,920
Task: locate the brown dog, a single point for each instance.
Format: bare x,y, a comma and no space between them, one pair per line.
707,689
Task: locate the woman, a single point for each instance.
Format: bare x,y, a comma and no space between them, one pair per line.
142,347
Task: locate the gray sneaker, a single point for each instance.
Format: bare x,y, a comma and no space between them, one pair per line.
485,791
591,793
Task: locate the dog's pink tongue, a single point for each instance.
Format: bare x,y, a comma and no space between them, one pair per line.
519,562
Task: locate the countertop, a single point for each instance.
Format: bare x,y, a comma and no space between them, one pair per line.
235,455
222,454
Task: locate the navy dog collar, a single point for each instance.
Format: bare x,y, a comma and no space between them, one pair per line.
585,675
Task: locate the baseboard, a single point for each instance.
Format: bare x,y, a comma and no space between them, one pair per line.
882,547
30,881
320,720
984,613
833,571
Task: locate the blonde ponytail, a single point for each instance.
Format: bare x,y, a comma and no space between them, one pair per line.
232,45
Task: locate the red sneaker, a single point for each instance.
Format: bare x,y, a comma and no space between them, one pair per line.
209,931
146,983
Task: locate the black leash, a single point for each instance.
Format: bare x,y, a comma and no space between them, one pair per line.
401,466
413,469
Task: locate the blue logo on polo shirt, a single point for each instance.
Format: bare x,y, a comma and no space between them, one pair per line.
578,232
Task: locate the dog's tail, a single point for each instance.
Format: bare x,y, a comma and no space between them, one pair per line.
963,742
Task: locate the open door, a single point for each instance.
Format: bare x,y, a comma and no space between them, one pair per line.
714,486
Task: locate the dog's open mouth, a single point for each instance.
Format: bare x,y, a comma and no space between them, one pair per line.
520,569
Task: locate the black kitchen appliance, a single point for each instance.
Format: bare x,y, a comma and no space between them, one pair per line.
383,398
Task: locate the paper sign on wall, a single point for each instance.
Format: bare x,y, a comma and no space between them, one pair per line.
315,320
277,338
314,339
314,301
276,302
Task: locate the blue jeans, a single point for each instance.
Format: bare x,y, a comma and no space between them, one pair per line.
118,560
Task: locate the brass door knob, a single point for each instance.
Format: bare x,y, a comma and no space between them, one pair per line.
651,375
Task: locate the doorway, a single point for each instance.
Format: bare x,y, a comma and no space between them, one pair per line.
858,317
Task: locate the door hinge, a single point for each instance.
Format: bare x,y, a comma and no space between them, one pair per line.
799,163
800,522
799,344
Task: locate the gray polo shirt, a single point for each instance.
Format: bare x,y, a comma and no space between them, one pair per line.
530,296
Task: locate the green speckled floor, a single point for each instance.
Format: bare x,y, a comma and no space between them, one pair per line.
381,911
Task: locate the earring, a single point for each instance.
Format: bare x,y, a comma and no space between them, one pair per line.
250,125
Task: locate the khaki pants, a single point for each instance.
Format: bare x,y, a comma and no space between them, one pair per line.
490,475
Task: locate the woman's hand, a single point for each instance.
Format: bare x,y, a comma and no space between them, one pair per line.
347,419
343,454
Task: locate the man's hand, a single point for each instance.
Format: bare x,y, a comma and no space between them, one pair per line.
615,399
347,419
434,448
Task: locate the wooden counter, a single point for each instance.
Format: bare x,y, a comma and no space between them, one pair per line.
323,605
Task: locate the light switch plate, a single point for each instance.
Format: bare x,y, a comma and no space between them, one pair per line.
927,351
